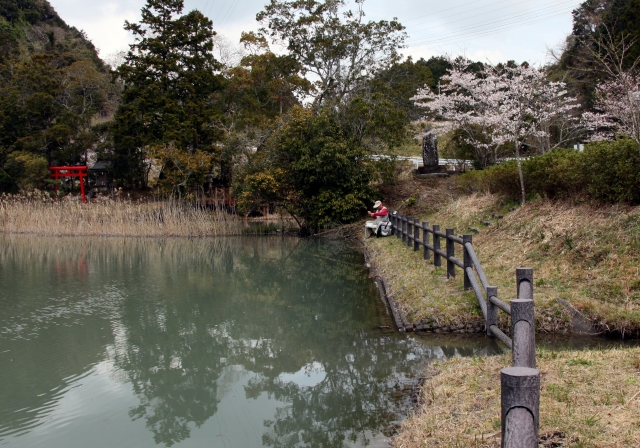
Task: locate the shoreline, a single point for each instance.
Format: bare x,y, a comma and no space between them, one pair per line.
399,316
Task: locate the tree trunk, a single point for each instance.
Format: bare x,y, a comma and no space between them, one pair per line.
517,144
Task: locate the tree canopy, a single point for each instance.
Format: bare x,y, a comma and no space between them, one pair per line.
313,169
333,44
169,76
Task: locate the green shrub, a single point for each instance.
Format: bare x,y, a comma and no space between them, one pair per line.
555,174
26,170
607,172
613,170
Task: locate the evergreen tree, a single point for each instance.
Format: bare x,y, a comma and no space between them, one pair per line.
169,76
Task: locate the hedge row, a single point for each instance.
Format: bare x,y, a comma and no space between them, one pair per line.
605,171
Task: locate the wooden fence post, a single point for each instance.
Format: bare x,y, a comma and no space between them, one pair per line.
436,246
492,310
398,226
520,400
416,234
468,263
391,221
524,283
523,321
409,230
451,252
404,228
425,239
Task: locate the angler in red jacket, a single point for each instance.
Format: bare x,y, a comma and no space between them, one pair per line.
381,216
382,212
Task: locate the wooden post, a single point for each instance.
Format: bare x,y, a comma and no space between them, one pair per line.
425,239
524,283
416,234
451,252
404,228
492,310
523,321
436,246
520,400
409,230
398,226
466,260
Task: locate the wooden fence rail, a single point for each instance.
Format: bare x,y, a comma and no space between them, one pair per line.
520,384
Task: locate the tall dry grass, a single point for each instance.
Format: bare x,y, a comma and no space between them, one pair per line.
35,213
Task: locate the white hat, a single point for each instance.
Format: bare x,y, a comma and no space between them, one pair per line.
377,204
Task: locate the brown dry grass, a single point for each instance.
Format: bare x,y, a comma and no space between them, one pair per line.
582,253
588,398
37,215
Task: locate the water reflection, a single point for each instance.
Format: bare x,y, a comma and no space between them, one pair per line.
229,342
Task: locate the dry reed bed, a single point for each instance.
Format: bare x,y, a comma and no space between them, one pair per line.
34,215
582,253
588,399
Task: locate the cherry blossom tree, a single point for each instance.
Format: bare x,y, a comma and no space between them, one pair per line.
526,106
464,102
498,106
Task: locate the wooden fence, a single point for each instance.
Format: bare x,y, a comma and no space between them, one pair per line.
520,383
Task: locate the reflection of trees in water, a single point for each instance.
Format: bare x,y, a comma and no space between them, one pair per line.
188,310
275,310
173,363
354,397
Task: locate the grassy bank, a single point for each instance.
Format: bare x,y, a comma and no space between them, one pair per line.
36,214
589,398
584,254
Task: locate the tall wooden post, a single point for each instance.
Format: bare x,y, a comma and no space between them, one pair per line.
492,310
466,260
520,400
523,321
425,239
404,228
436,245
451,252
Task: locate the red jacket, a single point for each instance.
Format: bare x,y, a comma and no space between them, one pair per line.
382,211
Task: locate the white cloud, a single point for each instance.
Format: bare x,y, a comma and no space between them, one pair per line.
103,23
107,32
504,29
488,56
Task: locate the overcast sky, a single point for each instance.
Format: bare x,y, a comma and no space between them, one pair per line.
485,30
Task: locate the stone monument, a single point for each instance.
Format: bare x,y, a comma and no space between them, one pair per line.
430,151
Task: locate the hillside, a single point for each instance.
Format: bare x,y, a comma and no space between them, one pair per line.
55,94
29,27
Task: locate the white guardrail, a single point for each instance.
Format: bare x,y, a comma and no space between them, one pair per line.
417,161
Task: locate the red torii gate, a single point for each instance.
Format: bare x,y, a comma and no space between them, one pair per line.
70,171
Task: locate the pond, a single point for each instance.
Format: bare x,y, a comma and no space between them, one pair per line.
236,342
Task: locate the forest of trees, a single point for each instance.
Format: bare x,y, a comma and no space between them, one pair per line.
294,127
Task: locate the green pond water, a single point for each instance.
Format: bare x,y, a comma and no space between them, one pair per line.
236,342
